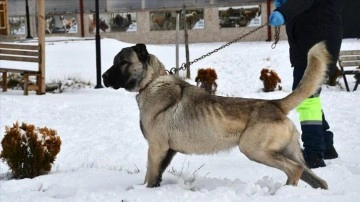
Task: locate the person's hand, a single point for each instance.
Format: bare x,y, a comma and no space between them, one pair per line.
276,18
278,3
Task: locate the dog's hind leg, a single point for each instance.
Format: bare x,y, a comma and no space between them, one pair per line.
314,181
158,160
277,160
270,153
307,175
294,153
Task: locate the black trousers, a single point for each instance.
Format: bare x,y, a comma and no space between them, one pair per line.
318,136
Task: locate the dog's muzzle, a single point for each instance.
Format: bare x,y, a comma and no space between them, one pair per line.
112,78
105,77
116,79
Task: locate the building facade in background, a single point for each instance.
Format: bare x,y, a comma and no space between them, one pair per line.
151,21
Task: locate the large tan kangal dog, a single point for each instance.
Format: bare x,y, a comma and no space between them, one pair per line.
176,116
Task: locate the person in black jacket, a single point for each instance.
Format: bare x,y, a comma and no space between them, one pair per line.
307,23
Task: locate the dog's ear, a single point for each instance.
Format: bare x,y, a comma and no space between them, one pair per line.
140,50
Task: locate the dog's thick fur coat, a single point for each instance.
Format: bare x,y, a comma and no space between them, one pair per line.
178,117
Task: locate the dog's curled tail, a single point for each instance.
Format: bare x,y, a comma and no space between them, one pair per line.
318,59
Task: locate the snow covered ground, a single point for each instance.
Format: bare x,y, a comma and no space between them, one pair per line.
103,153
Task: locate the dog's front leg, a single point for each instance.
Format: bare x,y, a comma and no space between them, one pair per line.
158,159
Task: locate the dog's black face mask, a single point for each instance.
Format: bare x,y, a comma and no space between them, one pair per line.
127,68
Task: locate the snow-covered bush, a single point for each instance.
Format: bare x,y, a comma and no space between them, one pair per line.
29,151
16,82
71,83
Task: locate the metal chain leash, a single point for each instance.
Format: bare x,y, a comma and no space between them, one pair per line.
276,37
184,65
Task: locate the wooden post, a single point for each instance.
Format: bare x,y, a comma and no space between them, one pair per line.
4,27
41,40
26,83
4,81
268,11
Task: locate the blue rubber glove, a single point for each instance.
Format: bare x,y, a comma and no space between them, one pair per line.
276,18
278,3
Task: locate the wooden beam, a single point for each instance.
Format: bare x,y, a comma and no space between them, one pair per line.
19,59
350,63
30,72
350,52
19,46
33,87
349,57
19,52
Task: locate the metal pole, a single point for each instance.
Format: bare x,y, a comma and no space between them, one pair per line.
98,47
143,4
28,20
82,18
177,40
186,37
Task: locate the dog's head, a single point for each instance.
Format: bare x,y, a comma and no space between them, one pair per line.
133,68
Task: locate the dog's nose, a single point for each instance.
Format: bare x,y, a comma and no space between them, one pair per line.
105,77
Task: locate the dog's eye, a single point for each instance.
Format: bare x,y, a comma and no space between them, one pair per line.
123,63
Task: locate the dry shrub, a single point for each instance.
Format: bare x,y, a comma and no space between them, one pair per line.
270,79
206,80
332,79
29,151
357,76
